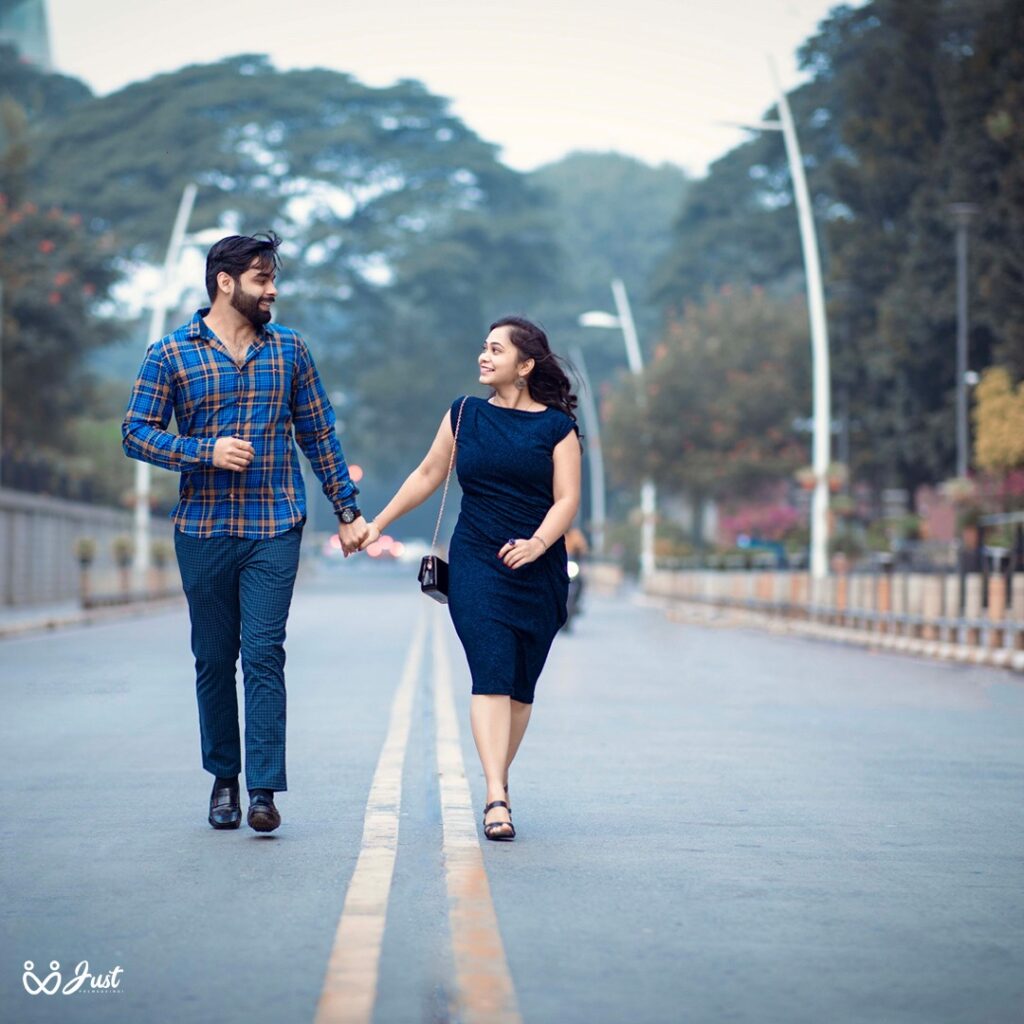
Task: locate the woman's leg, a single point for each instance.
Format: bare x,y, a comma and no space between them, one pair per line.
520,720
491,718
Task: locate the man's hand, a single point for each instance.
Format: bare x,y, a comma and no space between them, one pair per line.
233,453
372,534
352,535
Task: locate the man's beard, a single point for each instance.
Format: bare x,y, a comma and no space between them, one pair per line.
249,306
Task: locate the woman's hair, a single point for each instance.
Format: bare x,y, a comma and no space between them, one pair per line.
548,382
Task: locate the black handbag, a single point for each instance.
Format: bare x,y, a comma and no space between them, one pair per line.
433,575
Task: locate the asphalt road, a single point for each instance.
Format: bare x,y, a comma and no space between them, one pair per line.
714,826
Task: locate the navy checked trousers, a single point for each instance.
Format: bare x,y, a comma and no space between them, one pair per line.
239,591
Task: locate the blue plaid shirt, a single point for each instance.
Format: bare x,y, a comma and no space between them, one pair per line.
276,392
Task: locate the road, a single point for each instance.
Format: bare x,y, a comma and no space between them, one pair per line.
714,825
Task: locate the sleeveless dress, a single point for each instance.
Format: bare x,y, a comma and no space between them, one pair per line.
505,618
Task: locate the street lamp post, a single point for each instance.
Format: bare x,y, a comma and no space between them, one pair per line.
161,300
623,321
1,382
822,398
595,456
962,214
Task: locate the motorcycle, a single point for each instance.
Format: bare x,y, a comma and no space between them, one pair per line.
573,604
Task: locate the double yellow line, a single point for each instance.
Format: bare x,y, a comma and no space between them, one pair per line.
483,988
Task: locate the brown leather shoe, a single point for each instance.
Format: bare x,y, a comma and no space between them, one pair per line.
225,810
263,815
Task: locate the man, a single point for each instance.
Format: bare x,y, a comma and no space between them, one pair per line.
239,389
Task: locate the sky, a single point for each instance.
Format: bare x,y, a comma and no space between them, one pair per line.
540,78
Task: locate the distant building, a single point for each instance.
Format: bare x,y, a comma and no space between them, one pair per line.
23,22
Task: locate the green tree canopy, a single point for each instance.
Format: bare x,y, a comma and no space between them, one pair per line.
713,417
404,233
53,273
612,215
912,105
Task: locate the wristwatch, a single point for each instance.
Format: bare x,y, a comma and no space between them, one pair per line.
349,514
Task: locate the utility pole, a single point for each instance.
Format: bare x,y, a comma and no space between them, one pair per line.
962,214
623,321
648,493
1,383
822,386
143,472
595,457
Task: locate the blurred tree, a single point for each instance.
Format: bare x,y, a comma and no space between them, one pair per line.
999,422
41,94
913,104
713,417
613,217
53,274
28,95
404,233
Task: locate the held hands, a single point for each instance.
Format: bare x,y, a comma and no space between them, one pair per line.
233,453
517,553
353,535
372,534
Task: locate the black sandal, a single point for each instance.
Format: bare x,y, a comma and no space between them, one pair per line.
489,828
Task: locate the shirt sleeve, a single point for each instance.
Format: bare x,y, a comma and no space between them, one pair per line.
314,421
144,434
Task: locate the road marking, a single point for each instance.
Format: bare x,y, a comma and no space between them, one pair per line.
484,993
350,985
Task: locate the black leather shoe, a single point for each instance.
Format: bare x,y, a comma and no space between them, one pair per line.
263,815
225,810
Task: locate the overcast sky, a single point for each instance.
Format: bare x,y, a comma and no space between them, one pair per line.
538,77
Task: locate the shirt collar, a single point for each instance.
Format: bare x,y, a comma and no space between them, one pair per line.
197,329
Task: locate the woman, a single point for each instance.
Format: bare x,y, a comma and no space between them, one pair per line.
518,462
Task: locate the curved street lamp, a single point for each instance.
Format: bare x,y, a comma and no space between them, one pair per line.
623,321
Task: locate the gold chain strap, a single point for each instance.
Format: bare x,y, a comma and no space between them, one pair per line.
447,479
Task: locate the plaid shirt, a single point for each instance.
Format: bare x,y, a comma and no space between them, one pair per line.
275,390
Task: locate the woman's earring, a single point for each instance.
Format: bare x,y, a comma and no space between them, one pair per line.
520,383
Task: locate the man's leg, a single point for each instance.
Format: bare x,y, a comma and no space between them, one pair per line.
209,575
266,581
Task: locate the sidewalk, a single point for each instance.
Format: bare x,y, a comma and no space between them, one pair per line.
37,618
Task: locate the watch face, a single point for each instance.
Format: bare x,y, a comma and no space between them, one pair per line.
349,515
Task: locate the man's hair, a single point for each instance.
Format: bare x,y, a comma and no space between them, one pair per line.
235,254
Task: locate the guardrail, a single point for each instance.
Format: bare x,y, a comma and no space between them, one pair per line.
38,535
938,611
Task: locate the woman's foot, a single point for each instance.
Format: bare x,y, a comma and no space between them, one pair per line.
500,826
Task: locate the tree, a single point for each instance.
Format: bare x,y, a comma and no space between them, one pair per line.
403,232
612,215
54,274
999,422
713,417
912,105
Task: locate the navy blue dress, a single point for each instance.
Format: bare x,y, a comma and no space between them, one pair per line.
505,618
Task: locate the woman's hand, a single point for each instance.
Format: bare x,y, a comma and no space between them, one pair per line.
517,553
373,533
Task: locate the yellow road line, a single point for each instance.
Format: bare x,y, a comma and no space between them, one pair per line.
350,985
484,993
